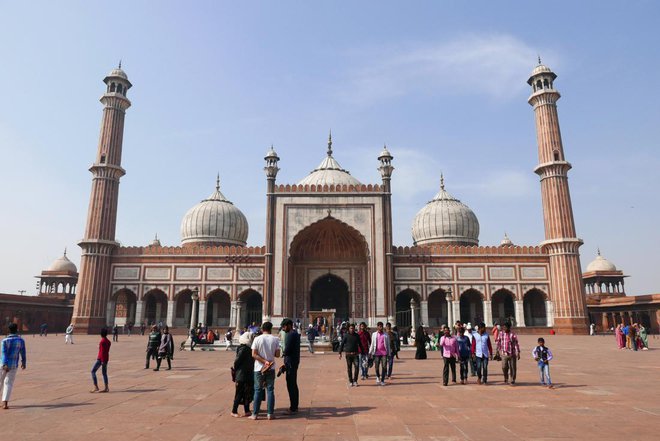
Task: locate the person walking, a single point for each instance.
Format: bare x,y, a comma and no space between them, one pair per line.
153,343
592,329
420,343
115,333
472,362
68,334
543,355
228,340
644,336
449,348
380,350
365,343
291,354
43,330
264,350
351,344
482,351
243,373
509,350
311,336
165,349
395,346
143,328
12,347
463,344
102,360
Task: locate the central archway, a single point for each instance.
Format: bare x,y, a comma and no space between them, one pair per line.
330,292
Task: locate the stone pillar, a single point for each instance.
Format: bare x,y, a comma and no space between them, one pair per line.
240,309
193,315
520,313
424,312
455,312
550,313
450,310
110,313
488,313
171,309
232,315
202,312
139,312
413,314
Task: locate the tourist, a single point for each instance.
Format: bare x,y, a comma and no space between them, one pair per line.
193,338
543,355
264,350
626,333
13,347
311,336
129,327
509,350
620,338
632,336
496,331
115,333
365,343
420,343
449,348
472,363
380,350
143,328
644,337
592,329
102,362
165,349
464,344
243,375
254,328
291,355
395,347
482,351
43,330
352,345
153,343
68,334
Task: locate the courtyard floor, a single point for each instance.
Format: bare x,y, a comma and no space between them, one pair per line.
601,393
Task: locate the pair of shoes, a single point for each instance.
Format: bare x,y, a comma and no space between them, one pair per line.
270,417
253,416
355,384
513,382
156,370
350,384
444,384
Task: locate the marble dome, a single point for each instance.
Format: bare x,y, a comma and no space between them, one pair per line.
329,172
600,264
214,221
445,220
63,264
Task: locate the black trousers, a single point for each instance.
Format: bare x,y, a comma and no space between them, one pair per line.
450,362
160,358
292,387
352,367
464,367
151,353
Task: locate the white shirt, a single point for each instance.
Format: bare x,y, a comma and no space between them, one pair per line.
266,345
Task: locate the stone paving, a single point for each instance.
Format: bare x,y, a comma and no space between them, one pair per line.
602,393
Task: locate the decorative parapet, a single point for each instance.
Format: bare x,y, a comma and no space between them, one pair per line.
191,250
333,188
439,249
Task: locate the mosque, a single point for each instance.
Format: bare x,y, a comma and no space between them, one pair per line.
328,249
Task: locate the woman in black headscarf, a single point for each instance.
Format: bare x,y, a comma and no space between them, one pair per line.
420,342
243,375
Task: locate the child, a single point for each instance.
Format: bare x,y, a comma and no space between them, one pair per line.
102,361
543,355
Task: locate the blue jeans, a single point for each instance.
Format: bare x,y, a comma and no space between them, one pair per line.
364,365
482,368
544,371
390,364
104,371
269,381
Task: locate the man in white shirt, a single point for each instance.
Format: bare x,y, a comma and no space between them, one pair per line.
264,350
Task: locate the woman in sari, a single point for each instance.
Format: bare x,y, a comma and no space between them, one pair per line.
644,336
420,343
620,338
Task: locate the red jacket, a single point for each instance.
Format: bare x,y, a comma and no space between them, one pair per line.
104,350
365,342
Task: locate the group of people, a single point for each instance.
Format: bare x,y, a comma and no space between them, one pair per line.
633,336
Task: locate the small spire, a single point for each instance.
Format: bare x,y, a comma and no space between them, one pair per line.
330,143
64,251
442,181
217,183
156,237
539,57
120,63
598,250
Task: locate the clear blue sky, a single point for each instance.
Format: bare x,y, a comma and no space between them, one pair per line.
215,83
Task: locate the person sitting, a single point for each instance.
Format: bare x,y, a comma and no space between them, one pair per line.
210,337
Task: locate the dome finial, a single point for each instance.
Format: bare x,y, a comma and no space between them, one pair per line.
217,182
120,63
598,251
442,181
539,58
330,143
64,251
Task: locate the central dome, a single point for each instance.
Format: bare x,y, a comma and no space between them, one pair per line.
445,220
329,172
214,221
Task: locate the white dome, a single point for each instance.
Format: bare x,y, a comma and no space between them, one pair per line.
214,221
329,172
445,219
118,72
539,69
600,264
63,264
506,242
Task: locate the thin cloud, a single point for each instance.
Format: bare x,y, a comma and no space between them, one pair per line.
481,64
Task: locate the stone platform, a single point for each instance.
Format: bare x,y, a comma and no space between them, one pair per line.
602,394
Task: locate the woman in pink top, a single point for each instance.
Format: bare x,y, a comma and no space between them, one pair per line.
449,348
620,338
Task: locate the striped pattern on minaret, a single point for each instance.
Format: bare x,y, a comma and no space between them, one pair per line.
561,242
99,242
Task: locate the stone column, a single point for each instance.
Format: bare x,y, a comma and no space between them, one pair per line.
520,313
240,310
488,313
193,314
456,312
424,312
413,314
232,314
139,311
450,309
550,313
202,312
110,313
171,309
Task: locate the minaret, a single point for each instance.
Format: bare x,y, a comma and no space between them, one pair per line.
386,168
561,241
98,245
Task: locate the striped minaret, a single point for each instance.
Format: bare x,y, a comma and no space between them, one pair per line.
98,245
561,241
